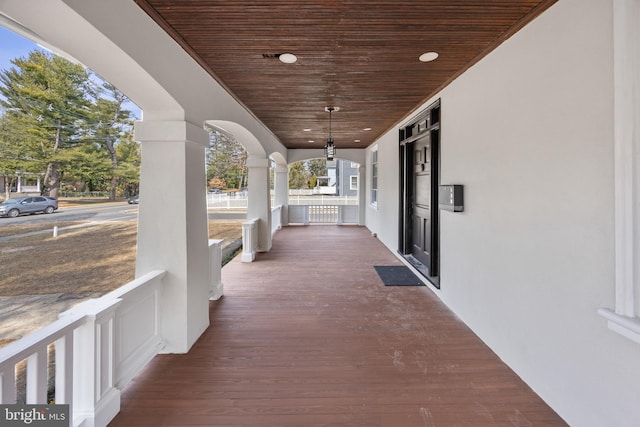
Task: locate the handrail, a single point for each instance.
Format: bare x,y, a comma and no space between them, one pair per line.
135,284
21,349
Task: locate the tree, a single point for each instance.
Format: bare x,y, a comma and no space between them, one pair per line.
108,124
60,119
88,165
128,153
217,183
317,167
45,100
313,180
298,178
226,160
12,159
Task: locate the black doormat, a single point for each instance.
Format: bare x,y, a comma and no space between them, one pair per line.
397,275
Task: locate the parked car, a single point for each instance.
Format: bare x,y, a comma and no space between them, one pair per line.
27,205
134,200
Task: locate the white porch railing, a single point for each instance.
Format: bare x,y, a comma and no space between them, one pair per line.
322,200
276,219
215,265
250,234
100,345
34,349
296,197
249,240
323,214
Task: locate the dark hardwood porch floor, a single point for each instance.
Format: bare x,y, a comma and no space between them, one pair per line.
307,335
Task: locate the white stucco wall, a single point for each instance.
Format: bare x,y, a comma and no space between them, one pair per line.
529,132
382,218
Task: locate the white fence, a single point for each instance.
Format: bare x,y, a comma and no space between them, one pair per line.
227,200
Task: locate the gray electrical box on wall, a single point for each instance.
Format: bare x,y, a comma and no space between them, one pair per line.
451,198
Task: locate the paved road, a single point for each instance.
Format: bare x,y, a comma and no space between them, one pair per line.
114,211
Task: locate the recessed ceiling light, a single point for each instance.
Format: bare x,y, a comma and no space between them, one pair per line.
428,56
311,141
306,130
287,58
366,129
356,140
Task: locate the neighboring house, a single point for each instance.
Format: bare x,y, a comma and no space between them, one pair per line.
24,182
542,133
346,178
328,184
342,177
325,185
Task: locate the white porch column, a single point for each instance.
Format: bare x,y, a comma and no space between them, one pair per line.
362,194
172,226
625,317
259,203
282,191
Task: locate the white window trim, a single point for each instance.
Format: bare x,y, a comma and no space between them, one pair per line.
626,62
352,182
374,203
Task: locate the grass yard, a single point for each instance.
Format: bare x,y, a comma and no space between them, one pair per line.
11,230
85,260
82,262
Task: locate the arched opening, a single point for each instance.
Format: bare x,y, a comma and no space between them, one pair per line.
324,192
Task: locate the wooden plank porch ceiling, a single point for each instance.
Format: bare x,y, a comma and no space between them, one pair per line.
360,56
307,335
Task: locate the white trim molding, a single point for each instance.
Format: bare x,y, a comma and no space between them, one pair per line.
625,326
626,40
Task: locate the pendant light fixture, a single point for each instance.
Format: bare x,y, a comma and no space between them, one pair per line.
330,149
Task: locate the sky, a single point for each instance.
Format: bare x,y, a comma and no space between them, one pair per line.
14,46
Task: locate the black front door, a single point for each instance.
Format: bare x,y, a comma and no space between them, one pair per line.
419,213
422,204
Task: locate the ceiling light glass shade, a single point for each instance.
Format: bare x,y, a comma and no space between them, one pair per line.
329,150
287,58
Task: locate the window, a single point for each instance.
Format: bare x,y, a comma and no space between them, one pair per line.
374,177
353,182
